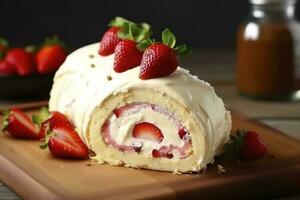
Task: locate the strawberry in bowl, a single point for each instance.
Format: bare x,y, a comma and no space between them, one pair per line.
28,72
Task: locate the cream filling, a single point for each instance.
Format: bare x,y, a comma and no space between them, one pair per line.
121,128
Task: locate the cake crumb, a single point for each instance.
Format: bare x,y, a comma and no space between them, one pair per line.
93,65
91,56
221,169
109,78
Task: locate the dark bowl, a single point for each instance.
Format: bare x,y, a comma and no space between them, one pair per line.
25,87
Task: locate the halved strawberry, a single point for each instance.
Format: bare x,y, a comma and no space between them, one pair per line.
109,41
161,153
64,142
19,125
62,139
147,131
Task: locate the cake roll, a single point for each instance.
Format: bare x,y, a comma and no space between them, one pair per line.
175,123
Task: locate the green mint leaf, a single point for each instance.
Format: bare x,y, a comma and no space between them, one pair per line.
181,50
143,45
4,42
168,38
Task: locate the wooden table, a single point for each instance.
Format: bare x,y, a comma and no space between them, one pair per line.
218,69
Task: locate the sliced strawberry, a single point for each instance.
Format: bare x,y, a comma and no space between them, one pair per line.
147,131
19,125
127,56
7,68
65,143
119,111
62,139
182,133
49,58
109,41
253,147
23,61
161,154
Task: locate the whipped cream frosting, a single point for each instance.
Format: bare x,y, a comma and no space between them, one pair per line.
86,79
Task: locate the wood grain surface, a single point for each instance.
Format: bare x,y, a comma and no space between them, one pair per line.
35,174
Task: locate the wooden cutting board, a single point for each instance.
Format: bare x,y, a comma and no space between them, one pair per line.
35,174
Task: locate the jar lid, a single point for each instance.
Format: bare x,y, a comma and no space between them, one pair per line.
277,2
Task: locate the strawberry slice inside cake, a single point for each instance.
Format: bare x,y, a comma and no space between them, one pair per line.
147,129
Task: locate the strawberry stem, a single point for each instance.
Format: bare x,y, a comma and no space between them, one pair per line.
4,42
5,114
43,115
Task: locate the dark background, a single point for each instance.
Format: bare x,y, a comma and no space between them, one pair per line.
200,24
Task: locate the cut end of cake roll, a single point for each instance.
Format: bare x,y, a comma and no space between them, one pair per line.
175,123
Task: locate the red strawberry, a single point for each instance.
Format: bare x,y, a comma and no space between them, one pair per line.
109,41
182,132
161,153
147,131
158,60
23,61
64,141
127,56
44,119
19,125
49,58
253,147
7,68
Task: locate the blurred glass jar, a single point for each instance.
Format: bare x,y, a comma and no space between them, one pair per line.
267,48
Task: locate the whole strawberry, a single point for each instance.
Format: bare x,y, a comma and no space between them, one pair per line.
7,68
253,147
127,54
160,59
50,57
109,41
246,145
22,60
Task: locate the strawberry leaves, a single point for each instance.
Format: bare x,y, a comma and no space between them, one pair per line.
231,149
5,123
43,115
246,145
168,38
135,32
